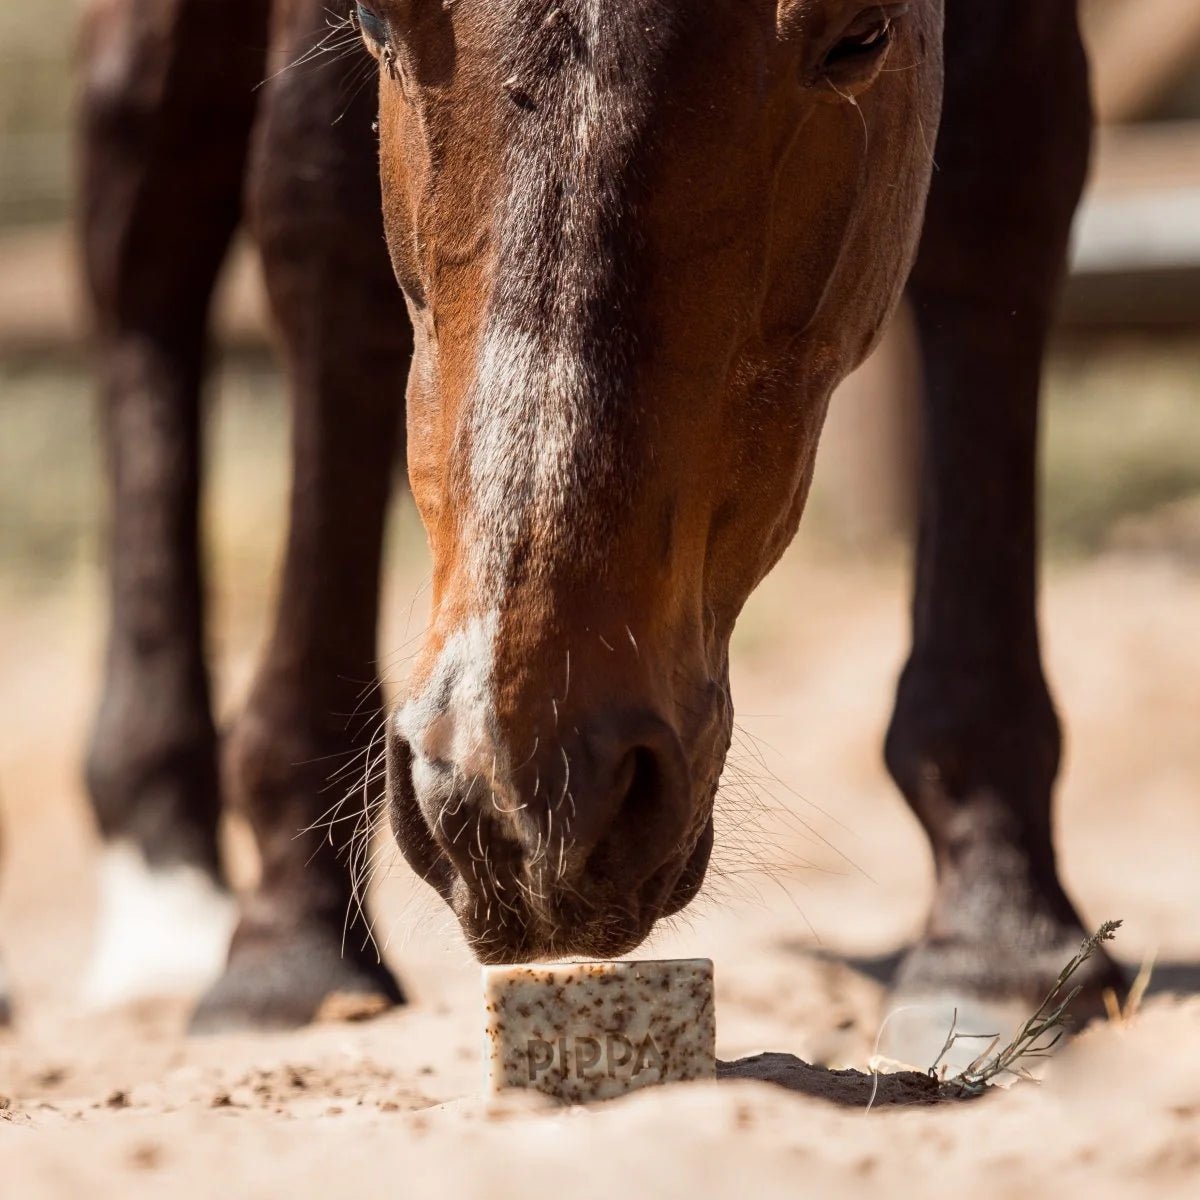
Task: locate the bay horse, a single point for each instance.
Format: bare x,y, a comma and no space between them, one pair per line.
638,243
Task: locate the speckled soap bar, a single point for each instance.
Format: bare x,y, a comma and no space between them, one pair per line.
595,1030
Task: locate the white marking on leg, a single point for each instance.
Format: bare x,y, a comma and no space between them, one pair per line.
159,932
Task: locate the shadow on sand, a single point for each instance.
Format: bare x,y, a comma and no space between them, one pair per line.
854,1089
850,1089
1176,978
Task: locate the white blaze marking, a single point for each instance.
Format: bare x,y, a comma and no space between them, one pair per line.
529,411
525,425
451,720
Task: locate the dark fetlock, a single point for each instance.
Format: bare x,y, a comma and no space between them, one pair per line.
302,951
1000,933
288,975
1001,926
979,778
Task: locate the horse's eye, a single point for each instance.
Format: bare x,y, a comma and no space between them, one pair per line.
373,26
865,38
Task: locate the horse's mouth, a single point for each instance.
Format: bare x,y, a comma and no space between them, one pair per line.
523,925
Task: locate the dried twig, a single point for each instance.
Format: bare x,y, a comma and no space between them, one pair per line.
1036,1038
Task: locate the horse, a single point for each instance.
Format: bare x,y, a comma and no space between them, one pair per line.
595,268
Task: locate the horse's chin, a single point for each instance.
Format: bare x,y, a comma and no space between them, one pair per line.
600,926
691,880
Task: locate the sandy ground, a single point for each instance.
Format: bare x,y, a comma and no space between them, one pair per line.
802,920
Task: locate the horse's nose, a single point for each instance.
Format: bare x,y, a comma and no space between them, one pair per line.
595,805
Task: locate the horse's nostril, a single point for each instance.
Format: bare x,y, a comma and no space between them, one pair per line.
639,780
647,794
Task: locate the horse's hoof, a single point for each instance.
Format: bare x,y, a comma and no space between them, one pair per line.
285,979
160,932
983,994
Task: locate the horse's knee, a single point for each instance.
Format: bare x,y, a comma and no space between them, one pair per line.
116,104
119,87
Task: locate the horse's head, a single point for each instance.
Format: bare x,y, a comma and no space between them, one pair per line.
641,241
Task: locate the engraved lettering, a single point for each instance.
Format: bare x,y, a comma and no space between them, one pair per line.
541,1055
584,1057
587,1055
649,1058
618,1042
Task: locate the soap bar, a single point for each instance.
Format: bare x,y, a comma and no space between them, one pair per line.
589,1031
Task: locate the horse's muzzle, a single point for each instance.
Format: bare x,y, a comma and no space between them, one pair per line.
576,850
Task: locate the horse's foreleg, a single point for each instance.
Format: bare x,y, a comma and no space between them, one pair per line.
974,742
163,152
303,945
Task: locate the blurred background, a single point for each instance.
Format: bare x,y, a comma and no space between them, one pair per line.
1123,420
817,654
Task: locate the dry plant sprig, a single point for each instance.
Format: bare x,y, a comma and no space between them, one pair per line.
1048,1022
